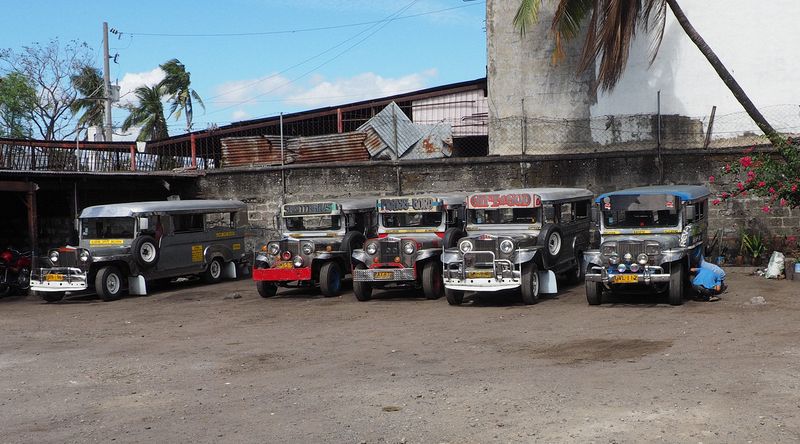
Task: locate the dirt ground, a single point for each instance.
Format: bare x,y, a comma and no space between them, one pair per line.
191,363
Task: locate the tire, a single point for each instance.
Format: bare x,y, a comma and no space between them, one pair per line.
432,284
579,274
454,297
553,242
24,279
452,236
213,273
145,251
52,296
330,279
108,283
266,289
594,293
530,283
5,290
676,284
362,290
352,240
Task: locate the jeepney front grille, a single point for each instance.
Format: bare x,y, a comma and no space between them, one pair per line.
478,259
485,245
634,248
388,251
290,246
66,259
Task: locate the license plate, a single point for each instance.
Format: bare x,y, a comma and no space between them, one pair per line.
480,274
384,275
284,265
626,279
54,277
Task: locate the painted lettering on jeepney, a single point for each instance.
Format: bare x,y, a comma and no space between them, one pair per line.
237,247
522,200
309,208
409,204
197,253
226,234
102,242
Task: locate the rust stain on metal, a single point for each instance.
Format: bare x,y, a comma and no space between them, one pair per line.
331,148
257,150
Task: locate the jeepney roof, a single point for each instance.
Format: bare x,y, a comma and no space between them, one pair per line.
546,194
132,209
349,204
446,198
684,192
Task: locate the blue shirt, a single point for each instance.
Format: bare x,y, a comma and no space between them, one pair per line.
706,278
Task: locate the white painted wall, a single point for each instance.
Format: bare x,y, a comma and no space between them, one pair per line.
758,41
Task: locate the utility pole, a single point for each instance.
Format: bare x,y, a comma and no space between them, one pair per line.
107,85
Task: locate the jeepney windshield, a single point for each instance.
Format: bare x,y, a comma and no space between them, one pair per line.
641,211
526,216
108,228
414,219
312,223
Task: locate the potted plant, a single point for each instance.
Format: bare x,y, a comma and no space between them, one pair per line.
754,246
739,260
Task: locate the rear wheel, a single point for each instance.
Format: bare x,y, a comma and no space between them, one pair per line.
578,275
213,273
676,284
330,279
108,283
362,290
454,297
432,280
266,289
530,283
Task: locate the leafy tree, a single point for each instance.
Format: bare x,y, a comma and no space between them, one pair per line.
177,85
148,114
49,67
89,84
17,102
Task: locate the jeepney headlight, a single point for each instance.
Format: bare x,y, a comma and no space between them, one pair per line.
298,262
628,257
506,246
465,246
613,259
634,267
273,249
653,248
642,259
372,248
54,256
84,255
307,248
621,268
609,248
409,247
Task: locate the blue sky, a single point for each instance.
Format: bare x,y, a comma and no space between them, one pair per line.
412,46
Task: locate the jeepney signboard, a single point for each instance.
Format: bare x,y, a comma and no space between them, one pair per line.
307,209
511,200
409,204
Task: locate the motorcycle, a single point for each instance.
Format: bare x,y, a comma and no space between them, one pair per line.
15,271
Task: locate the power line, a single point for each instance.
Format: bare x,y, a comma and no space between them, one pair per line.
294,31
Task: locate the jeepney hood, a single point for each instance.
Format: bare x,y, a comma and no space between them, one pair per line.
312,235
425,238
666,241
515,232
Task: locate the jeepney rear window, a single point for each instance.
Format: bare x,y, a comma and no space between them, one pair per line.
419,219
526,216
107,228
312,223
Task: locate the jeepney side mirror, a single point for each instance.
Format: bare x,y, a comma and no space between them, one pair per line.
690,214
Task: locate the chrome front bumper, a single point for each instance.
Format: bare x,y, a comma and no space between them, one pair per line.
396,274
652,274
503,276
61,279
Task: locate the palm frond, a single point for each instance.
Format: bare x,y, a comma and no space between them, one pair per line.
527,15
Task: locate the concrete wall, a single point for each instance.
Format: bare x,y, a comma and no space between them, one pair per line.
599,172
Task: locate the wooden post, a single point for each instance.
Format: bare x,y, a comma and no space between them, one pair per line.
133,157
194,150
339,123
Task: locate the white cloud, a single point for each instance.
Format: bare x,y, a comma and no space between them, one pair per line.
363,86
240,114
243,91
132,80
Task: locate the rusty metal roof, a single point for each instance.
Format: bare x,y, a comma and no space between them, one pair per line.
256,150
330,148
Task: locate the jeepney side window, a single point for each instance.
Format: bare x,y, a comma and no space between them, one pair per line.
219,220
452,217
550,214
188,223
567,213
581,209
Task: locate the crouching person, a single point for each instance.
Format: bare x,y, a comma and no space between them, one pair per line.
708,281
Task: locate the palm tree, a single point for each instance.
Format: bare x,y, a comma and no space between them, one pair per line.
611,28
89,84
148,114
176,85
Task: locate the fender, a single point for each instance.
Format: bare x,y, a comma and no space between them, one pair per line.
221,251
361,256
326,255
593,257
451,256
427,253
523,256
672,255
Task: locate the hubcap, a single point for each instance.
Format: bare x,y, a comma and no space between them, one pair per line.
148,252
554,243
215,269
112,283
535,284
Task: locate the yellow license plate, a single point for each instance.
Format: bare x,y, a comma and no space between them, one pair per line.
54,277
383,275
626,279
480,274
284,265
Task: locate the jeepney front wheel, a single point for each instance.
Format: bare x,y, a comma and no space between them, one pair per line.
213,273
362,290
432,279
51,296
266,289
454,297
594,293
530,283
676,284
108,283
330,279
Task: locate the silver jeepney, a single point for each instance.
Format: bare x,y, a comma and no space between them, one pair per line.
648,236
128,244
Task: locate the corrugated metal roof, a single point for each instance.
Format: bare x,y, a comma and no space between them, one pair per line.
262,150
436,142
330,148
392,119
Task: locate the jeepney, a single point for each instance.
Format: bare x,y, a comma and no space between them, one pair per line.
127,245
317,244
519,239
412,232
647,235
